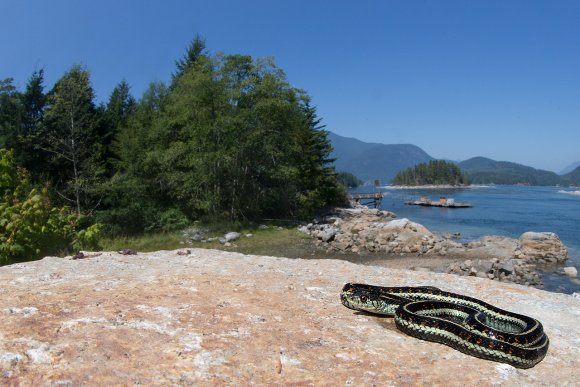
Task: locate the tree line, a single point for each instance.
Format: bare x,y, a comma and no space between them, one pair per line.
227,138
436,172
349,180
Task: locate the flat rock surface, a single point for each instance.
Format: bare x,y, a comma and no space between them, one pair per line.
217,318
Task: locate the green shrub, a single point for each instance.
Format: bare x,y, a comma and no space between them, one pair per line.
30,227
171,219
89,238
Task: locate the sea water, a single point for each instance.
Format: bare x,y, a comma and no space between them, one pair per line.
499,210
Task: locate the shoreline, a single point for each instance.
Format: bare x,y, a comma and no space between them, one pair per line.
381,237
469,186
441,186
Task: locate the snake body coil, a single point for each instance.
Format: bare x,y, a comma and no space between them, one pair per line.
463,323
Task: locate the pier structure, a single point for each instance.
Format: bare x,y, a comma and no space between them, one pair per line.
442,202
374,198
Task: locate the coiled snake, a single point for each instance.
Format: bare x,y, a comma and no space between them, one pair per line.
463,323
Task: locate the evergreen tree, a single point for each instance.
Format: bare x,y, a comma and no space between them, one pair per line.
10,113
120,106
186,139
70,137
116,114
27,153
34,102
237,140
132,199
195,50
320,185
131,140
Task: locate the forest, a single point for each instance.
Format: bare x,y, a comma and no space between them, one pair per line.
436,172
227,138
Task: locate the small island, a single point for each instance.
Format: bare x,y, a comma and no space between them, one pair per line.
436,172
349,180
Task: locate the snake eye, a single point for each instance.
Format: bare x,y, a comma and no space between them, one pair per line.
364,298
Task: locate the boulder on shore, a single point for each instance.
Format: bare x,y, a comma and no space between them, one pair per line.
232,236
216,318
362,228
571,271
542,247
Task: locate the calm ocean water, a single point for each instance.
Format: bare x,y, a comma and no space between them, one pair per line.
500,210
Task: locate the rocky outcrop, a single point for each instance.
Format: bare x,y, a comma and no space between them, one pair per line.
493,246
535,248
504,270
204,317
541,247
512,260
361,229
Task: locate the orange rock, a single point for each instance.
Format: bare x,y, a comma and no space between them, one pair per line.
218,318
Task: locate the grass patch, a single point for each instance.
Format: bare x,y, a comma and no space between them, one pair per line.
144,243
284,242
274,241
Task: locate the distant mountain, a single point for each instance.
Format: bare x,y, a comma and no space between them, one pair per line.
572,178
481,170
370,161
570,168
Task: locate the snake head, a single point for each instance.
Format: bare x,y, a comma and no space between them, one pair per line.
369,298
358,298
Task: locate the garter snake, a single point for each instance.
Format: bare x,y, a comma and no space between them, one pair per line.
461,322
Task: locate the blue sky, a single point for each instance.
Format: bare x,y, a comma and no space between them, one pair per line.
499,79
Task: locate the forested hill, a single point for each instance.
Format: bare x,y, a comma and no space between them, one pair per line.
370,161
570,168
481,170
436,172
572,178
